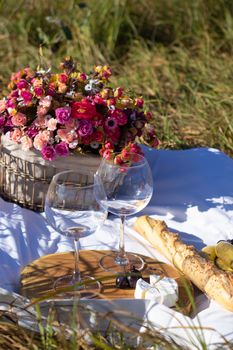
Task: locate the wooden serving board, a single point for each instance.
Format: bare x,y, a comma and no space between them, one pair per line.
38,278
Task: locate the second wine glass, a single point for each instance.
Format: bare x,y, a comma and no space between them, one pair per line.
123,189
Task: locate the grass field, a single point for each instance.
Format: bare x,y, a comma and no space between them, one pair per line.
176,53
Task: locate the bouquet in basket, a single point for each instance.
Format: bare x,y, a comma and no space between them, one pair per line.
71,111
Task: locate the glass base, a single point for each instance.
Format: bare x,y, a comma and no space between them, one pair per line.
87,291
111,262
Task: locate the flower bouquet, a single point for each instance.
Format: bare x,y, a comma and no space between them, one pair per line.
64,114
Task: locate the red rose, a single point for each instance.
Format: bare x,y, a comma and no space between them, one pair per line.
83,110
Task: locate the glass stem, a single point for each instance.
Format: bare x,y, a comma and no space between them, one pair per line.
121,258
76,273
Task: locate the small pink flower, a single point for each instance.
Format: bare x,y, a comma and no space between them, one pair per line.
2,106
63,78
82,77
98,136
48,153
118,92
62,88
72,123
148,115
16,135
36,82
14,94
85,128
38,91
42,111
27,96
111,102
52,124
46,101
41,121
2,120
86,140
63,114
107,154
39,142
125,154
135,148
19,119
26,143
46,135
67,135
62,149
11,103
120,116
139,102
105,93
22,84
109,145
155,142
114,135
118,160
99,100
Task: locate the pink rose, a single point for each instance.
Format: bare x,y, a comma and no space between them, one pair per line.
63,114
19,119
48,153
41,111
38,91
62,149
27,96
52,124
16,135
22,84
85,128
72,123
46,101
67,135
41,121
39,142
26,143
2,105
46,135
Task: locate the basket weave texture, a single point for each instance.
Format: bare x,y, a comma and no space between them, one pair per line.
25,175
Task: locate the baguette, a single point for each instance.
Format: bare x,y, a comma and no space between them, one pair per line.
214,282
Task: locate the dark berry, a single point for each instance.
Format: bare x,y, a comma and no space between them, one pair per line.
129,281
122,282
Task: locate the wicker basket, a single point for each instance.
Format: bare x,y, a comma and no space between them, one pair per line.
25,176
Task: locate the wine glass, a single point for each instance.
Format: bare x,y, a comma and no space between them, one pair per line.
123,189
72,210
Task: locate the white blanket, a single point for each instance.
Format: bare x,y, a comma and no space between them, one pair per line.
193,193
